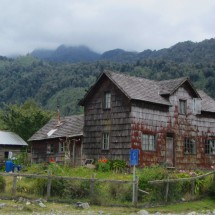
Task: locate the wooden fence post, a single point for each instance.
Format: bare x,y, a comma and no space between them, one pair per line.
49,184
193,187
135,193
14,185
92,185
167,191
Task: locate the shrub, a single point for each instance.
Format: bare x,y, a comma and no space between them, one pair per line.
103,165
156,191
212,188
76,189
118,165
120,192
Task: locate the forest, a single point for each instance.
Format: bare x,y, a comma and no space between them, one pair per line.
51,84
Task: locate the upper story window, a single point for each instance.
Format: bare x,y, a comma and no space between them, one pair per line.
148,142
61,147
210,146
189,146
107,100
182,106
105,141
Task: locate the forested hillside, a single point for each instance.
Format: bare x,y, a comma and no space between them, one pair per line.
64,84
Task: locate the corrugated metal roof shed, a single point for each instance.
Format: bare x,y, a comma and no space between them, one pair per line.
10,138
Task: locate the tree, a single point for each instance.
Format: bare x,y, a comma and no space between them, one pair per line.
24,119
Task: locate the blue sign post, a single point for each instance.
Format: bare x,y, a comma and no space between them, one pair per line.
134,160
134,157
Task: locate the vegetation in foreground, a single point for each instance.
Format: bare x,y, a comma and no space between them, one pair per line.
109,192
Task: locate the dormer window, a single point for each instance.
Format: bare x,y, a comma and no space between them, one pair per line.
182,106
107,100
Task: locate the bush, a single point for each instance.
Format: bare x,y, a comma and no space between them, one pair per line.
156,191
212,188
103,165
76,189
118,165
120,192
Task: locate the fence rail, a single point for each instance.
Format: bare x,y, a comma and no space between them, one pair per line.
192,179
51,177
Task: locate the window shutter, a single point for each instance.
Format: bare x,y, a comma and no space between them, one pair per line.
197,106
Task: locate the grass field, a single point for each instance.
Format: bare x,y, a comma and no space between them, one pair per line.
13,207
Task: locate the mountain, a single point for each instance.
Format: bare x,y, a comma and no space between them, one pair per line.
51,84
119,55
183,52
67,54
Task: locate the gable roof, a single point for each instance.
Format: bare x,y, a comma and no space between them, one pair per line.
10,138
136,88
208,104
168,87
133,87
70,126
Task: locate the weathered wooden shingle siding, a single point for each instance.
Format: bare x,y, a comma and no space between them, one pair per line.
115,120
149,119
160,121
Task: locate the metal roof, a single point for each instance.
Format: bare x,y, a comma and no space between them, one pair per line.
10,138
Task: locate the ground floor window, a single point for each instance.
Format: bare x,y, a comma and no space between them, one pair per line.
105,141
148,142
210,146
189,146
61,147
50,148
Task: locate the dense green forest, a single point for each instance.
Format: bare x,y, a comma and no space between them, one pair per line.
51,84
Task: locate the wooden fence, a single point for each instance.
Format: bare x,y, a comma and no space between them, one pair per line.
192,180
92,180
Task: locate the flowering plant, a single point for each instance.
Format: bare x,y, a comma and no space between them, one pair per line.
103,165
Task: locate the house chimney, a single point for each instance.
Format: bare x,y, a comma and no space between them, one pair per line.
58,116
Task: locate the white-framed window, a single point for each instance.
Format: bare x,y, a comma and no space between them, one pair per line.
105,141
50,148
107,100
148,142
182,106
61,147
210,146
189,146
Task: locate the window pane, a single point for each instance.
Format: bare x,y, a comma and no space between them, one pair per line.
189,146
107,100
182,106
210,146
148,142
105,141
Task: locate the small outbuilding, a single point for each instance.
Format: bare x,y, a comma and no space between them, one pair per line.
60,140
11,145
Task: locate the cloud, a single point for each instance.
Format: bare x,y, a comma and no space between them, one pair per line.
103,24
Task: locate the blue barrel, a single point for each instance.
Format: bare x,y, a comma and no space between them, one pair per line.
9,166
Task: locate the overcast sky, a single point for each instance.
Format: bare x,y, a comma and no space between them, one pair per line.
103,24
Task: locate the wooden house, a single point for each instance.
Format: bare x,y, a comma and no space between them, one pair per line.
170,122
60,140
10,145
